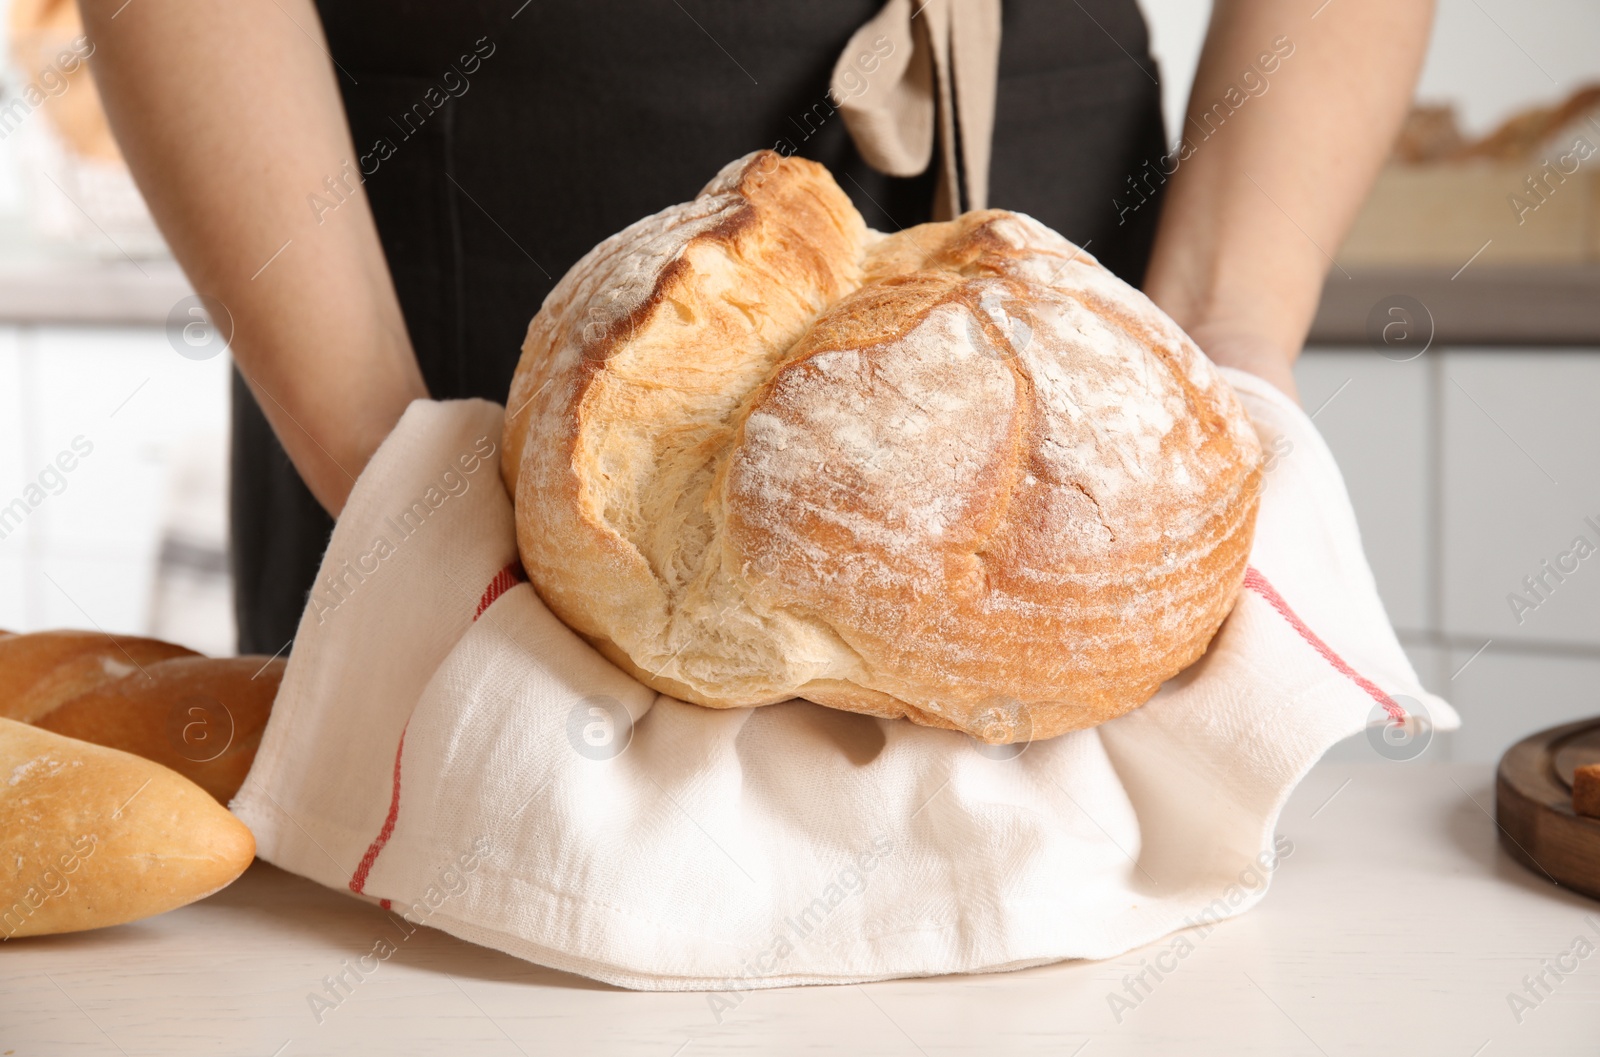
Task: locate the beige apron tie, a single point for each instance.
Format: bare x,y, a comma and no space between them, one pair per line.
914,68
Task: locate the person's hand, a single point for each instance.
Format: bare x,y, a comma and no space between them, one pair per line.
1291,115
1250,352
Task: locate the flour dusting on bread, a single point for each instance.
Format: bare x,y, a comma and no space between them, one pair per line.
758,452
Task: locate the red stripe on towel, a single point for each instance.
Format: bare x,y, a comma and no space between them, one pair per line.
503,581
359,880
1260,585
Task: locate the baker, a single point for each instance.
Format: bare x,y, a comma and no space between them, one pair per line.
381,195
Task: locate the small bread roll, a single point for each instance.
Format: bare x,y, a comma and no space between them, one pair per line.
91,836
46,669
961,474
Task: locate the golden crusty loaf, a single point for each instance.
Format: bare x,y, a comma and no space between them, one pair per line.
91,836
961,474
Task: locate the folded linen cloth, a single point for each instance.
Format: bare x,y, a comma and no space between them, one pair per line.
444,745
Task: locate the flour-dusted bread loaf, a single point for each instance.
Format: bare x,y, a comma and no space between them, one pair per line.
961,474
91,836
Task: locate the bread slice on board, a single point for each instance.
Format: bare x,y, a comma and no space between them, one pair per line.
91,836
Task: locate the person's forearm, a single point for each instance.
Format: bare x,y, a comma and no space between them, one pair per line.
1263,197
230,119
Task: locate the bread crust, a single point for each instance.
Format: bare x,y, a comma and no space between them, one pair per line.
45,669
960,474
201,716
91,836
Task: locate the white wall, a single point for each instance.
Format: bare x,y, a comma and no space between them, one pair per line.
1494,57
1489,57
132,538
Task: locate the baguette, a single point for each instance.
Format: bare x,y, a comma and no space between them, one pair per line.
201,716
90,836
46,669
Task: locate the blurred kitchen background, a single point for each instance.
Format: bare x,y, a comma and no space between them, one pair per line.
1455,367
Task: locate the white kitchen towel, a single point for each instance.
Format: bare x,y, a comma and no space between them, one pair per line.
443,744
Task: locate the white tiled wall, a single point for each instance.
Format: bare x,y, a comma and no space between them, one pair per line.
1374,413
1523,430
1467,470
1505,695
155,428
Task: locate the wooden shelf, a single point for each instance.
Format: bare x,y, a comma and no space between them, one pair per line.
1531,305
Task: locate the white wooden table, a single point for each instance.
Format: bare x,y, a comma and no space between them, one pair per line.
1396,925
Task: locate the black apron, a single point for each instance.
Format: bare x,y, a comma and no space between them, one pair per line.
501,141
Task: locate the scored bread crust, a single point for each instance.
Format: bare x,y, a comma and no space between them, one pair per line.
960,474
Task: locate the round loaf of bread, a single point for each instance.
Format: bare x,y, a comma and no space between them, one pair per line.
961,474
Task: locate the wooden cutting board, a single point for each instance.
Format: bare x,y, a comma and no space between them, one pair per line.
1533,804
